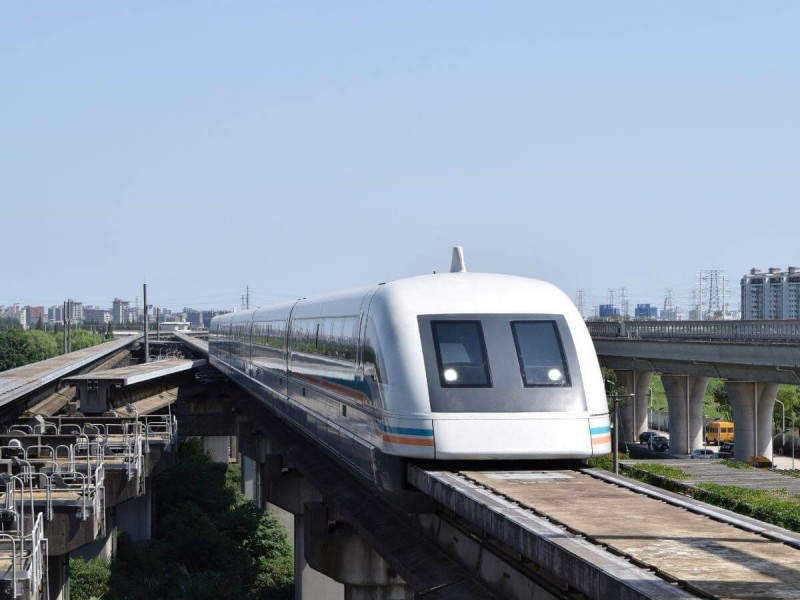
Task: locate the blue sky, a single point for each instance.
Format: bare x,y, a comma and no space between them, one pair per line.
305,147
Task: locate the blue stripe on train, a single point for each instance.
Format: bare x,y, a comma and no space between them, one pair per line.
406,430
599,430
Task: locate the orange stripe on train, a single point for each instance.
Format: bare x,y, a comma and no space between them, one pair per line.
395,439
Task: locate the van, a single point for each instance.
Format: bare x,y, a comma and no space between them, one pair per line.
719,431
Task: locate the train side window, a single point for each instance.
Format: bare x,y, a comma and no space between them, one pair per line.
540,354
461,354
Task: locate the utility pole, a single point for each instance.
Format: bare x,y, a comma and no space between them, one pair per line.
146,339
158,325
67,326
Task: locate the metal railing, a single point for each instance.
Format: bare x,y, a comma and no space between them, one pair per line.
733,331
37,475
25,551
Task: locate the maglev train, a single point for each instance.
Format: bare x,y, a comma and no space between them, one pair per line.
450,366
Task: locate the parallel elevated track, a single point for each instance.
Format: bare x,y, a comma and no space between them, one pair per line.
609,537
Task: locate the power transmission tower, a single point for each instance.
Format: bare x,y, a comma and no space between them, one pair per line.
712,301
581,301
623,303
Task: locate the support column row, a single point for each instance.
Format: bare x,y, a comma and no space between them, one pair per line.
633,414
752,404
685,395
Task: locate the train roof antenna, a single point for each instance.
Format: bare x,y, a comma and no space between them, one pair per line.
458,266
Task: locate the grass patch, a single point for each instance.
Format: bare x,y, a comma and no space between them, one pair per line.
779,507
606,461
737,464
659,470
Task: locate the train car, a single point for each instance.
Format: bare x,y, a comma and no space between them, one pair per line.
450,366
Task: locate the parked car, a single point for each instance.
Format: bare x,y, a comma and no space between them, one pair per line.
725,450
660,443
644,437
703,453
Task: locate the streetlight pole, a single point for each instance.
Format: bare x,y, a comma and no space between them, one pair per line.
650,405
783,426
616,399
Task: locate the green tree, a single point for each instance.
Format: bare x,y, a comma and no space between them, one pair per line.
15,349
88,578
83,339
209,540
42,345
719,393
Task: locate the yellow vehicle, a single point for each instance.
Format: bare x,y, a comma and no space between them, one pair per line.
719,431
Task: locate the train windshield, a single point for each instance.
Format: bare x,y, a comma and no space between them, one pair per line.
540,353
461,354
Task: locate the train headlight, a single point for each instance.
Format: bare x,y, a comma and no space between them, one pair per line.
450,375
554,375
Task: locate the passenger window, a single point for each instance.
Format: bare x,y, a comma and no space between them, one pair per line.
461,354
541,357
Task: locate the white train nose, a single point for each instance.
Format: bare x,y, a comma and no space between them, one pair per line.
509,436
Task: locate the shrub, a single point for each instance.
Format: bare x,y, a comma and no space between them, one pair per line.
88,579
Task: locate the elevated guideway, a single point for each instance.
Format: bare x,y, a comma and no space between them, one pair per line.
610,537
194,342
99,391
26,385
753,358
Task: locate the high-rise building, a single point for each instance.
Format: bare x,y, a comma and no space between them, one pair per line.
120,311
75,311
771,295
646,312
96,316
17,313
34,314
55,314
609,311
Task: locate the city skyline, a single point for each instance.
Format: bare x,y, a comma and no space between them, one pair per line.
729,296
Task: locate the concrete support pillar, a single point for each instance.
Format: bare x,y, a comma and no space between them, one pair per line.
105,546
290,491
135,517
251,480
633,413
752,403
685,394
58,576
219,446
335,549
310,584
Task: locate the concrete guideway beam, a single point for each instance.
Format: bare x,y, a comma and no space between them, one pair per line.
633,414
752,404
685,395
